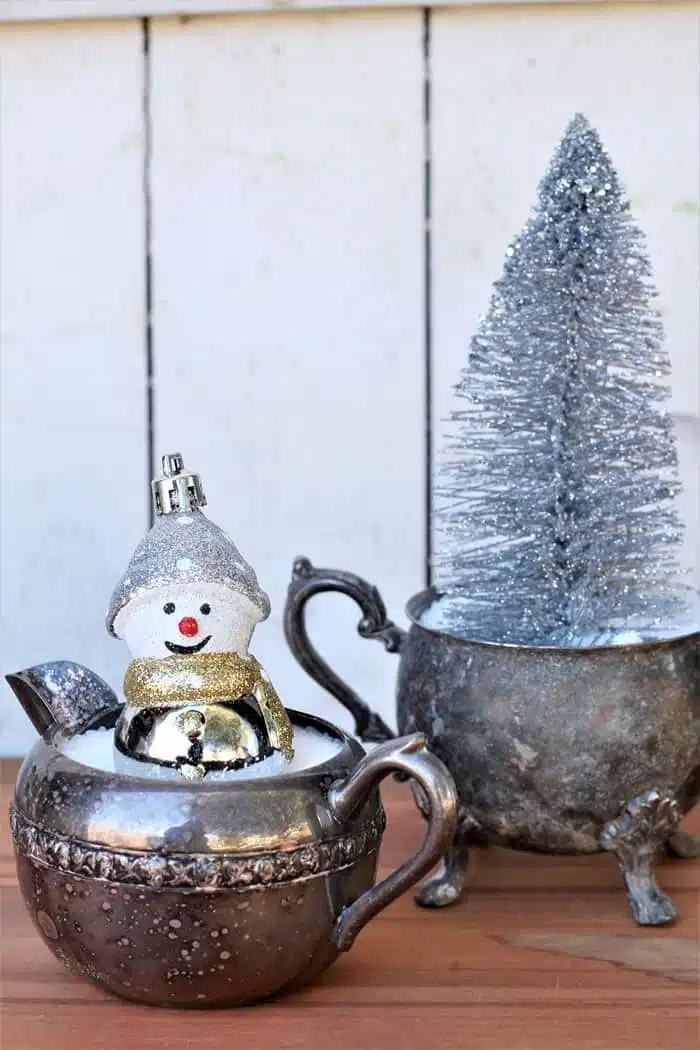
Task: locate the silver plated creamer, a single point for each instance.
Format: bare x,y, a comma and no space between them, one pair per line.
202,894
554,750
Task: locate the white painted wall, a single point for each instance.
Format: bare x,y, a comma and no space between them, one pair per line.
53,10
288,304
288,324
72,421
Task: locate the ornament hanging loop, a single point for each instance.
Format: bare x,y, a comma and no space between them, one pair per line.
177,489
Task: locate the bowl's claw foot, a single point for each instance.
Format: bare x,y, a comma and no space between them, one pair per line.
447,885
638,838
683,845
650,906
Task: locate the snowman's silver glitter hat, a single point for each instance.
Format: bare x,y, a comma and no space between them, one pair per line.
183,546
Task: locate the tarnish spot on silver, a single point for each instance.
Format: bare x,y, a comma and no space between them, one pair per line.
47,925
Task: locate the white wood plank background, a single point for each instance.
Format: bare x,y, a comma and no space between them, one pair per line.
287,188
51,10
286,181
72,342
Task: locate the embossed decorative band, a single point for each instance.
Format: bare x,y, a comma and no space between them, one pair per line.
192,871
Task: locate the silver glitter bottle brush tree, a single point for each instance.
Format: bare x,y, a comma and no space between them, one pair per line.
554,666
556,516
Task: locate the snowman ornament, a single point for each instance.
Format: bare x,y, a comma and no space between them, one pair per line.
187,606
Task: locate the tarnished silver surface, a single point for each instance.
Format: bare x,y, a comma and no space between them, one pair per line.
213,893
63,694
555,750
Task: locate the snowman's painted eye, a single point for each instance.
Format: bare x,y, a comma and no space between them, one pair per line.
205,609
169,608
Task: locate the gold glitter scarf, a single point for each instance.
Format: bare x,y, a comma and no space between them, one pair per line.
208,678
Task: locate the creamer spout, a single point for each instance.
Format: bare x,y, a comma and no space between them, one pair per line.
62,694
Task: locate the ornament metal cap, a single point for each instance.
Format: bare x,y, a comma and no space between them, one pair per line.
177,489
184,547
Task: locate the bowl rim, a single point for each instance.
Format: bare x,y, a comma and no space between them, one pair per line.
422,600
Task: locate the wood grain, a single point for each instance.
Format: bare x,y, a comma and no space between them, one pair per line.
541,956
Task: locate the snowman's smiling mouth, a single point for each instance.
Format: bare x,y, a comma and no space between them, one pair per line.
185,650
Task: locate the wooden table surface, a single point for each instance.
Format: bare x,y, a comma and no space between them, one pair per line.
541,956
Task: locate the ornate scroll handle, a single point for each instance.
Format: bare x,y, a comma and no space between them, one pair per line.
409,757
308,581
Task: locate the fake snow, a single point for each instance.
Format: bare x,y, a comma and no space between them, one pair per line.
442,614
95,748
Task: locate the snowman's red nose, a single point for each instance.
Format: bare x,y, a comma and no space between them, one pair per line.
188,626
